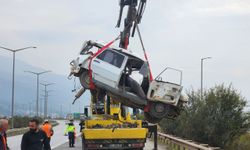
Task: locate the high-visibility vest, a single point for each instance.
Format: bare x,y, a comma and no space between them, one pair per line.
47,128
70,128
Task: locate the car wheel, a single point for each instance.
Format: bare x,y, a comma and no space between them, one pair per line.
158,110
84,79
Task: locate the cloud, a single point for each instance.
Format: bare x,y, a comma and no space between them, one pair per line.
175,33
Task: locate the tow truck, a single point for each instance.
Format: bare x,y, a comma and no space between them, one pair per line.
105,71
109,129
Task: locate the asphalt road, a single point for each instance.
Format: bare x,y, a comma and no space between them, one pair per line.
57,139
60,142
149,146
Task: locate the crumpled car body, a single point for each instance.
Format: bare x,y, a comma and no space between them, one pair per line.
112,70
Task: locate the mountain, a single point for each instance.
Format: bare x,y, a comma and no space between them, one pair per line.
60,98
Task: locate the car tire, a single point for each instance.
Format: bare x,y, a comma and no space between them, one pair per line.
84,79
158,110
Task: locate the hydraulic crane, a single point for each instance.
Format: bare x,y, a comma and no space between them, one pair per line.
106,73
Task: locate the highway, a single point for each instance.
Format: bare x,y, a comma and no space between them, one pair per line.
57,139
149,146
60,142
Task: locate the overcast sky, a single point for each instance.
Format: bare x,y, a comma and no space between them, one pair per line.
176,34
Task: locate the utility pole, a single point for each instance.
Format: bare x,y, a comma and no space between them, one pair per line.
37,87
13,78
46,98
40,111
30,107
202,59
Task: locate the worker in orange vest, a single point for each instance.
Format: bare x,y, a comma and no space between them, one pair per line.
47,128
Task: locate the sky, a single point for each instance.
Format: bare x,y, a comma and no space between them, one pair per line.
175,33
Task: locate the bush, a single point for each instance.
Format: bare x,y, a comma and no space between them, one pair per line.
240,143
22,121
217,119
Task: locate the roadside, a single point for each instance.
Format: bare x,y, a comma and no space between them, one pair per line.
78,145
58,138
19,131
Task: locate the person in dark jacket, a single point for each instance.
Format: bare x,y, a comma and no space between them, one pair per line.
3,136
82,124
35,139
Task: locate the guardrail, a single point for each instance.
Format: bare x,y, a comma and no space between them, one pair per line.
175,143
18,131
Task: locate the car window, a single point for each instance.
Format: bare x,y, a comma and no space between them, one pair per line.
111,57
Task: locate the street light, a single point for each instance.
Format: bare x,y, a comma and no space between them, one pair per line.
13,78
202,59
37,86
46,98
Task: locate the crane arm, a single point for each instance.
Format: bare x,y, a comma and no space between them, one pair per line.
132,19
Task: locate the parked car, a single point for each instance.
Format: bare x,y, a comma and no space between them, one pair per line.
111,74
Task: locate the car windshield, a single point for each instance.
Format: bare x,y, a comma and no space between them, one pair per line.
170,75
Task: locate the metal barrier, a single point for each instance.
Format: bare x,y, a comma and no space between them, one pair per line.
18,131
175,143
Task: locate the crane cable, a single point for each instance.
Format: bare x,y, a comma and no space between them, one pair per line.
145,54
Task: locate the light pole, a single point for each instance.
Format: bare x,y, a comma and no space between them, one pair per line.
37,87
13,78
46,98
202,59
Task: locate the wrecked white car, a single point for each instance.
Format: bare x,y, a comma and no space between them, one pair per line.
112,71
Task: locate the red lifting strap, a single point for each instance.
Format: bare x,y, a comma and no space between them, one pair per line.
91,84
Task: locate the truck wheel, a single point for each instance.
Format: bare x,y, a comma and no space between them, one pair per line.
83,144
84,79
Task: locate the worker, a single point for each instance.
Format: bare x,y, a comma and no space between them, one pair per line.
47,128
70,131
35,138
3,138
82,124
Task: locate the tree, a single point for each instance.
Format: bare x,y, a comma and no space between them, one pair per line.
216,119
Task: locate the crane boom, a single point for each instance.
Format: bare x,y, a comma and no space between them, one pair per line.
132,19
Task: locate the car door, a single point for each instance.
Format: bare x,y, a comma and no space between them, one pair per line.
108,66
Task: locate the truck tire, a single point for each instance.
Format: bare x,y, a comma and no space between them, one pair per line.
84,79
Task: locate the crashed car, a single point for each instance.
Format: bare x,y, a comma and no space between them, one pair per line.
112,71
